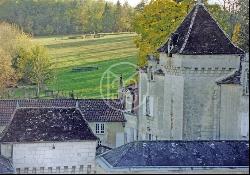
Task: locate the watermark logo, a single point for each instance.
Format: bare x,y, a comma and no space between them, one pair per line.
114,81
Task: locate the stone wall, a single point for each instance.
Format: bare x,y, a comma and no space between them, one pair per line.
63,157
155,89
186,97
232,109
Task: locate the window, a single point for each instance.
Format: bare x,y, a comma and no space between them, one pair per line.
73,171
99,143
81,169
34,171
18,171
100,128
41,170
149,106
50,170
26,170
66,169
89,169
150,137
152,76
57,169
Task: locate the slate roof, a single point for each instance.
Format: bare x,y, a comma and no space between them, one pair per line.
102,149
179,153
93,110
6,166
234,78
47,124
199,34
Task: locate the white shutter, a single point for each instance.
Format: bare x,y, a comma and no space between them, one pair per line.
151,104
244,124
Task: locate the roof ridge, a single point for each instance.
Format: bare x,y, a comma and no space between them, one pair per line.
190,28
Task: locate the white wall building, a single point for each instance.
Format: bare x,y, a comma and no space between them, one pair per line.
49,140
179,96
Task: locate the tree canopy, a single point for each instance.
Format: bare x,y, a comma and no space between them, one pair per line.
54,17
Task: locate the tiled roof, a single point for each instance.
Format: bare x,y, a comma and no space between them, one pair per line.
179,153
6,166
93,110
47,124
102,110
199,34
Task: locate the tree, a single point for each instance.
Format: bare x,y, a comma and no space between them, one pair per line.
36,66
7,73
243,16
108,19
154,24
118,17
126,20
236,34
141,6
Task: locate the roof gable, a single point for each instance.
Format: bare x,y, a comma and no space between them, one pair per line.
199,34
47,124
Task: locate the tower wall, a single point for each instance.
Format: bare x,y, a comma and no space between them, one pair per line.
154,89
199,90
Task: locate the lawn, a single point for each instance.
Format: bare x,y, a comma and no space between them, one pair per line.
116,53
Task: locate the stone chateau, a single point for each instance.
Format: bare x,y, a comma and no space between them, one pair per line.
199,87
189,113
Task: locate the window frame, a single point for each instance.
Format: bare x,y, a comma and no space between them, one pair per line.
100,128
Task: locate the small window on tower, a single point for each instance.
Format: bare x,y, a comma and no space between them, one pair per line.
152,76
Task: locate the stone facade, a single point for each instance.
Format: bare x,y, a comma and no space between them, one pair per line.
180,98
60,158
183,98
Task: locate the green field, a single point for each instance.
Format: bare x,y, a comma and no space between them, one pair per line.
101,53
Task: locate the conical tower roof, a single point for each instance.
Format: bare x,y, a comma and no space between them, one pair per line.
199,34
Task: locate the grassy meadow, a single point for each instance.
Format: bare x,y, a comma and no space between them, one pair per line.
70,55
